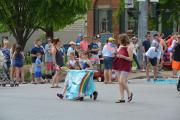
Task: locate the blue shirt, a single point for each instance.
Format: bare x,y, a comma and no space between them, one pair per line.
48,56
6,53
37,65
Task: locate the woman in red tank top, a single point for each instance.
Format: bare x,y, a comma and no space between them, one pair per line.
122,65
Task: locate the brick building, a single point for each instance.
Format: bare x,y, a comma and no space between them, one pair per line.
100,17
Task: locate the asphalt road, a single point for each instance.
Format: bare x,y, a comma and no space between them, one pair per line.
39,102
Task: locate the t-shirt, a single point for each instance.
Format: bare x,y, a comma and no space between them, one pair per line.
37,63
48,56
70,50
152,53
93,46
109,50
36,50
6,53
146,44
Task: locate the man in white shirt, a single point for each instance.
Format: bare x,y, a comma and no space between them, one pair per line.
153,56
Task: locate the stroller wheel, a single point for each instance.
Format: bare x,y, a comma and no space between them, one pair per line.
11,85
3,85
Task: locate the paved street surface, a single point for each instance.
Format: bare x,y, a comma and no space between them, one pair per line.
39,102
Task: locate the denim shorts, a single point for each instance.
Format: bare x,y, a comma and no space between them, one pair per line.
108,63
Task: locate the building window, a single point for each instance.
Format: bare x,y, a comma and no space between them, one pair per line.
102,20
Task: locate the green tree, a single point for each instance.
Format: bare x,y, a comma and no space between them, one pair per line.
23,17
20,18
56,14
172,6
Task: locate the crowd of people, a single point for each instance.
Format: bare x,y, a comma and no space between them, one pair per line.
88,53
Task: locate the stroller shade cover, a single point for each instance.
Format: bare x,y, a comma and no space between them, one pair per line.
79,83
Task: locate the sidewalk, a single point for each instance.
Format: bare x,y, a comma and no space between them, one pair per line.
142,75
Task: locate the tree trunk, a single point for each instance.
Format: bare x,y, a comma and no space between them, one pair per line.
22,43
49,32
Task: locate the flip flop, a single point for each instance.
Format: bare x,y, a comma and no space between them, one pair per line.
120,101
130,97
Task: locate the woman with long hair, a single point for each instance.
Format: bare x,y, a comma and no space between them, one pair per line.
122,65
18,62
58,60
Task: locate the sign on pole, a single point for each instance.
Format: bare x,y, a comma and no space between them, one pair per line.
154,0
129,3
141,0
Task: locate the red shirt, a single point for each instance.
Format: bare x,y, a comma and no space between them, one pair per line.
122,64
84,45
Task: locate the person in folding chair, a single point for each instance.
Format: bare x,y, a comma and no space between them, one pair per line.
176,60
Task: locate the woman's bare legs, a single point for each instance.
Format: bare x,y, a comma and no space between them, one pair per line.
12,72
17,70
56,78
123,86
22,74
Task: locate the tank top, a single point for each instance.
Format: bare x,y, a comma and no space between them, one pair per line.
122,64
18,58
59,58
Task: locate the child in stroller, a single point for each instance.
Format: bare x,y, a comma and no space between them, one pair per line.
80,83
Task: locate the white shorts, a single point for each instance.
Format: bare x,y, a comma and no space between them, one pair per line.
122,74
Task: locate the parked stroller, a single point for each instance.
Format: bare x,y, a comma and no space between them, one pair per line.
4,74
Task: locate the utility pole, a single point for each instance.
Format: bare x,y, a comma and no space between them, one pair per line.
143,19
142,25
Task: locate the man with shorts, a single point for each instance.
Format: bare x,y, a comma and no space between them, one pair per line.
153,55
49,60
37,49
94,49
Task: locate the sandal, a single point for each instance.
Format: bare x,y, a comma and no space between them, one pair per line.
120,101
57,87
130,97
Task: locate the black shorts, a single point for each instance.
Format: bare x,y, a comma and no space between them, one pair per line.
153,61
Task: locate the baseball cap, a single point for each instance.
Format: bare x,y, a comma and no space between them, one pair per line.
111,39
